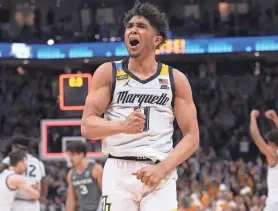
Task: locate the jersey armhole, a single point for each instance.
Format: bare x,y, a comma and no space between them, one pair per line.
114,74
172,83
92,169
12,189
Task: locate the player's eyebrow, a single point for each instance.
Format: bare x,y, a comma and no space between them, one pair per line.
140,24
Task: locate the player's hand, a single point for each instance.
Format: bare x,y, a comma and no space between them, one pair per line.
271,114
43,200
254,114
35,186
135,122
151,176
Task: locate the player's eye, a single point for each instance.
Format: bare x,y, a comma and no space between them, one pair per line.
128,26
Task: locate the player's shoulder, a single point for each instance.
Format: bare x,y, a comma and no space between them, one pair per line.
31,158
178,75
181,83
105,68
103,73
35,161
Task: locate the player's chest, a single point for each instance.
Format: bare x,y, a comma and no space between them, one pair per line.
152,93
82,179
32,171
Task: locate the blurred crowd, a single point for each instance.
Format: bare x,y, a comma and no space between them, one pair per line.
227,173
38,21
207,183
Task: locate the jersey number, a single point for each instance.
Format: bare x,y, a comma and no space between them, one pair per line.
83,189
147,114
30,171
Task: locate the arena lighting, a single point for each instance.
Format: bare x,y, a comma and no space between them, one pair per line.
50,42
97,36
25,61
118,49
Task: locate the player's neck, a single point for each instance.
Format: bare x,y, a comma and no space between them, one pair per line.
82,166
142,64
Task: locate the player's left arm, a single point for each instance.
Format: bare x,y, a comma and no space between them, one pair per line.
97,173
259,140
186,115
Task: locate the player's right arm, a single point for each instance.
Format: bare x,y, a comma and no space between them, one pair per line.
259,141
97,101
18,181
71,198
271,114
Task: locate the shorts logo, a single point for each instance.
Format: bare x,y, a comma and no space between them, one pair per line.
105,205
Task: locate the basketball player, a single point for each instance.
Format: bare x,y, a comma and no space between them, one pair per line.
11,180
34,173
140,99
270,150
84,180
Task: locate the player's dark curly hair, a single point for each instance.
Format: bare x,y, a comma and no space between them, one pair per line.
156,18
272,136
21,142
77,147
16,156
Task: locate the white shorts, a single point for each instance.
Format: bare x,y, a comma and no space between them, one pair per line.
22,205
271,205
123,191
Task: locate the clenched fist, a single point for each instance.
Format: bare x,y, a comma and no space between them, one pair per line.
255,113
270,114
135,122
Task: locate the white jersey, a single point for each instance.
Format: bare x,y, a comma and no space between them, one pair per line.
7,195
154,96
34,173
272,183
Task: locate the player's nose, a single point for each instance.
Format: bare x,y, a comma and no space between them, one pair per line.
133,31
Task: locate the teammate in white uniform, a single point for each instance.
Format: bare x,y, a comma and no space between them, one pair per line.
12,180
35,171
140,98
270,150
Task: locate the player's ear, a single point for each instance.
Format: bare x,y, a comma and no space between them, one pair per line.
157,41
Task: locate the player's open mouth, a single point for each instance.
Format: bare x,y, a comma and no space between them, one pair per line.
133,43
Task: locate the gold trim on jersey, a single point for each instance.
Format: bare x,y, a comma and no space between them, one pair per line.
164,70
123,76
